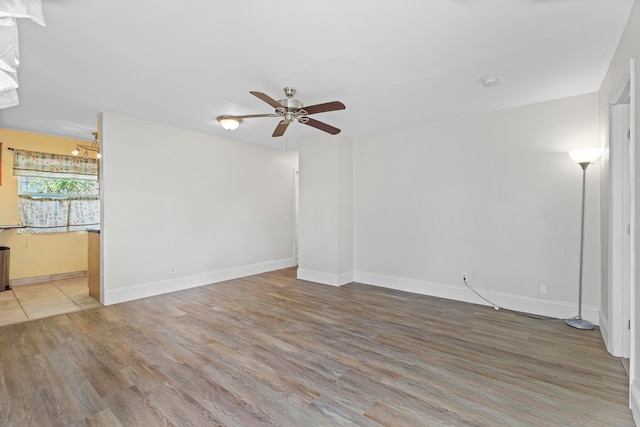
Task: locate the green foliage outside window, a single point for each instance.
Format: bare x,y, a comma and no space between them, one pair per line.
60,186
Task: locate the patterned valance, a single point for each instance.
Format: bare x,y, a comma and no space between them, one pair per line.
31,163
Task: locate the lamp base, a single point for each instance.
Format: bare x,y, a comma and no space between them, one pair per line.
579,323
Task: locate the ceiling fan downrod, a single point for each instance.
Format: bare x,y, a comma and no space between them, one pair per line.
289,91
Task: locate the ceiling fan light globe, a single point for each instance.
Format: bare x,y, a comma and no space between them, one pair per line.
229,123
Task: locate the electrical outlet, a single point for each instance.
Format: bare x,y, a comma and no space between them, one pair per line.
172,269
543,289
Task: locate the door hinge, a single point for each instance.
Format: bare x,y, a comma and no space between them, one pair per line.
629,324
629,229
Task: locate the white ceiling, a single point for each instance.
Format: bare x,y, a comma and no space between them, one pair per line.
392,62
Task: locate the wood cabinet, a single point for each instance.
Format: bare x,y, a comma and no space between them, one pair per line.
94,264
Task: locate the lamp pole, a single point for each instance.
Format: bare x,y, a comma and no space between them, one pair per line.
578,321
584,158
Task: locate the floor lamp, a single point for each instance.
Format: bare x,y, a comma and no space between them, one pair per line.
584,158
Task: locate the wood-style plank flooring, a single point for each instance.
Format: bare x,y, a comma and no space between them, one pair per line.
269,350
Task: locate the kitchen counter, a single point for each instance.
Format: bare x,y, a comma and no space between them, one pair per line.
10,227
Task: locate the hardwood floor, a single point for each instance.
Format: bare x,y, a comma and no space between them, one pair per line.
270,350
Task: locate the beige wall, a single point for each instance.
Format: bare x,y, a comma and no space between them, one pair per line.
36,255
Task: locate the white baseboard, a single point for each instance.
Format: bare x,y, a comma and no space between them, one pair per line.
634,402
522,303
148,289
325,278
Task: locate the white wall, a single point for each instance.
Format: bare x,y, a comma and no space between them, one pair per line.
326,210
213,208
629,47
495,196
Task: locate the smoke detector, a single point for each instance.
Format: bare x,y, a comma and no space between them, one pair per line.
490,81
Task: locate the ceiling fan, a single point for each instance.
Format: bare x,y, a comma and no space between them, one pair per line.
289,110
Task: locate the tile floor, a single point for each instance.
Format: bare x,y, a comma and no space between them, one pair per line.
38,300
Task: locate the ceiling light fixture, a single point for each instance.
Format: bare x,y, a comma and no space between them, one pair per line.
229,122
95,146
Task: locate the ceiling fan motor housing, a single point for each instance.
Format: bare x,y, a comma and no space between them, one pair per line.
291,108
290,104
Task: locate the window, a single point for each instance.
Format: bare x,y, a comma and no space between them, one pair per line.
56,193
56,187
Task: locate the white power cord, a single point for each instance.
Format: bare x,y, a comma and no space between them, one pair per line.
495,306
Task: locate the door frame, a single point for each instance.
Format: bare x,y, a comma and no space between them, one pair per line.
621,265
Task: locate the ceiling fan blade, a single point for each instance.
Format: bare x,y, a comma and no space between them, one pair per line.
327,106
266,98
322,126
281,128
251,116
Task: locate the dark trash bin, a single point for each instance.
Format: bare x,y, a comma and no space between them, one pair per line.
4,269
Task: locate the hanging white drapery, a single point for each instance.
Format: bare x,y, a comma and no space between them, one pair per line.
10,10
